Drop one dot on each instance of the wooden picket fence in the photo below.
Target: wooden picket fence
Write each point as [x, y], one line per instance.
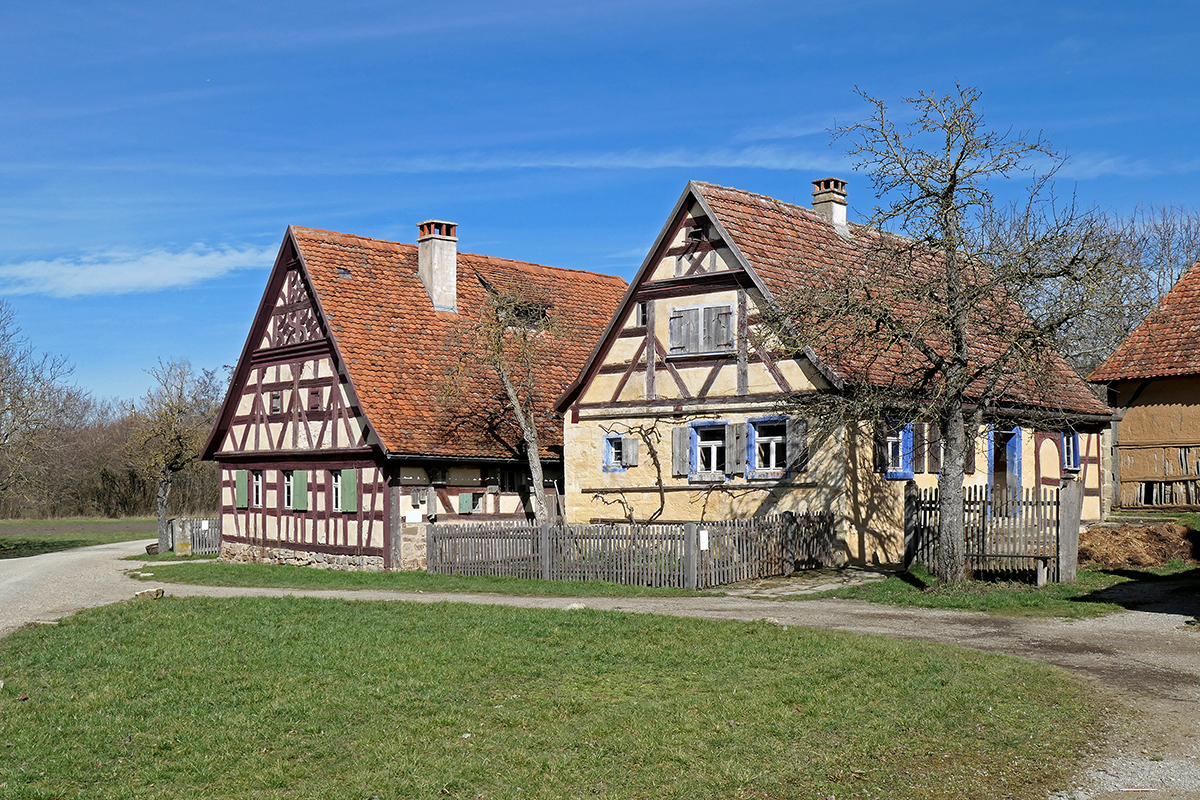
[197, 535]
[1017, 531]
[691, 555]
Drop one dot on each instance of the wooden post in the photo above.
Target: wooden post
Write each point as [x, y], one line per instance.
[689, 555]
[544, 544]
[429, 548]
[912, 532]
[790, 535]
[1070, 501]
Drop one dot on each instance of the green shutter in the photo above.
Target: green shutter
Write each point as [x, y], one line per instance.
[349, 490]
[300, 490]
[466, 502]
[240, 493]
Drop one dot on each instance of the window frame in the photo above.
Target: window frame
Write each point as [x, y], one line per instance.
[1069, 448]
[754, 470]
[289, 489]
[275, 401]
[613, 455]
[256, 488]
[710, 476]
[903, 435]
[335, 485]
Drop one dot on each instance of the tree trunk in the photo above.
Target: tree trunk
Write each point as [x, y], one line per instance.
[164, 491]
[951, 559]
[528, 425]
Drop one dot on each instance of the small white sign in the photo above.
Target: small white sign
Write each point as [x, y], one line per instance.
[203, 524]
[703, 540]
[412, 515]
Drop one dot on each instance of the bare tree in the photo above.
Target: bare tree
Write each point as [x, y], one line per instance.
[510, 340]
[954, 301]
[37, 405]
[171, 422]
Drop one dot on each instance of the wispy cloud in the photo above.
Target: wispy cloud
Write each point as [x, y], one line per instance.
[1086, 166]
[793, 128]
[773, 157]
[123, 272]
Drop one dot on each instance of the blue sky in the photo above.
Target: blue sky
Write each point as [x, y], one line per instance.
[152, 154]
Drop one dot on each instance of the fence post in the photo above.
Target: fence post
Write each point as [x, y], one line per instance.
[429, 548]
[689, 556]
[544, 544]
[912, 514]
[1070, 501]
[790, 535]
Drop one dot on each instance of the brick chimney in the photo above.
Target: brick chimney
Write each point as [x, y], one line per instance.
[437, 262]
[829, 200]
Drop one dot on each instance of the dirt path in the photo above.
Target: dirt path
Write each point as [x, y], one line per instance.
[1150, 657]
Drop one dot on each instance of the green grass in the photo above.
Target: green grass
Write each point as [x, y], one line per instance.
[170, 557]
[284, 576]
[50, 521]
[298, 697]
[1084, 598]
[22, 545]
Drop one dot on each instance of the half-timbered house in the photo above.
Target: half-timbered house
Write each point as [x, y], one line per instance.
[345, 425]
[680, 412]
[1154, 382]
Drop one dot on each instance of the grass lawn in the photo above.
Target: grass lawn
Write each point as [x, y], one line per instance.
[1085, 598]
[281, 575]
[298, 697]
[20, 538]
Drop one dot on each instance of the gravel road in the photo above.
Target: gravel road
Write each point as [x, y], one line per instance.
[1151, 658]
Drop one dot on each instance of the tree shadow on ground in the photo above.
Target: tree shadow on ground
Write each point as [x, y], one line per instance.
[1147, 591]
[14, 547]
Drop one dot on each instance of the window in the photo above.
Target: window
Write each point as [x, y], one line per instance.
[256, 488]
[613, 460]
[641, 315]
[336, 477]
[1070, 450]
[770, 445]
[894, 450]
[314, 399]
[276, 402]
[711, 448]
[511, 480]
[288, 490]
[700, 330]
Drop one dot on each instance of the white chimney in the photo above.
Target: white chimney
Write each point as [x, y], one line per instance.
[437, 262]
[829, 200]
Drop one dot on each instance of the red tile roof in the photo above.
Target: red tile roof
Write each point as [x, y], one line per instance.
[790, 246]
[400, 353]
[1166, 343]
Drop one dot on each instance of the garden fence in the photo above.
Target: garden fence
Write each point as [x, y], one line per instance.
[194, 535]
[689, 555]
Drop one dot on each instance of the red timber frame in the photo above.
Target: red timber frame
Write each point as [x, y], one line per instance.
[290, 334]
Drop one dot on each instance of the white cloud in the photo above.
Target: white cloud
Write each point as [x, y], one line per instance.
[123, 272]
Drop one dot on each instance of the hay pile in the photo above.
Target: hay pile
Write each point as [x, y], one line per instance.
[1138, 545]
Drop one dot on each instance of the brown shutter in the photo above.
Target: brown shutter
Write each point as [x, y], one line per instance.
[681, 450]
[629, 451]
[735, 448]
[797, 445]
[881, 454]
[675, 332]
[716, 328]
[691, 330]
[934, 446]
[918, 445]
[972, 442]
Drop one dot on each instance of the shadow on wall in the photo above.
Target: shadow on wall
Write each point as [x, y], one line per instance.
[874, 507]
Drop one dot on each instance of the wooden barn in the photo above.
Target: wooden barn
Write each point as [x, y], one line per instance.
[1154, 384]
[679, 414]
[347, 422]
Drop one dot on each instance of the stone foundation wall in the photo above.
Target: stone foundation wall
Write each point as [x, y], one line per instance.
[238, 553]
[412, 548]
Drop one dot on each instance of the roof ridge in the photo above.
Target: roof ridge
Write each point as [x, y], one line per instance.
[463, 253]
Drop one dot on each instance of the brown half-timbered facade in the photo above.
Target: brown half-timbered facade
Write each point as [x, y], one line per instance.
[344, 428]
[1154, 384]
[680, 413]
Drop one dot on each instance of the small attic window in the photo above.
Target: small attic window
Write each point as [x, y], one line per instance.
[343, 272]
[695, 233]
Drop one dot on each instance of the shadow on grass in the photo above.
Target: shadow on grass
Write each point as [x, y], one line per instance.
[12, 547]
[1144, 590]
